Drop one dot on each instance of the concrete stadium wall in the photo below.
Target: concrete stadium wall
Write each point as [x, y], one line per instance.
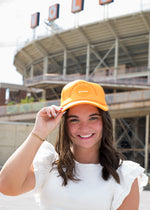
[13, 134]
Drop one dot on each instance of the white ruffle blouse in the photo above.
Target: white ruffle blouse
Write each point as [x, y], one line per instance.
[91, 192]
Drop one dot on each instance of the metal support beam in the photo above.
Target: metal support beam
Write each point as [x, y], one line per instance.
[26, 55]
[45, 65]
[44, 95]
[102, 60]
[146, 142]
[61, 42]
[112, 29]
[145, 21]
[65, 64]
[19, 63]
[99, 57]
[31, 71]
[116, 60]
[147, 26]
[125, 132]
[40, 48]
[88, 42]
[88, 61]
[134, 134]
[24, 76]
[57, 96]
[148, 79]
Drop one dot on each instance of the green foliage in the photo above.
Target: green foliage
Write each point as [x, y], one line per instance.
[27, 100]
[11, 103]
[41, 100]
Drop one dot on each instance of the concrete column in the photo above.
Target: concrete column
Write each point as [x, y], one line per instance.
[88, 61]
[44, 95]
[116, 60]
[45, 65]
[24, 76]
[32, 71]
[2, 96]
[148, 79]
[146, 142]
[65, 64]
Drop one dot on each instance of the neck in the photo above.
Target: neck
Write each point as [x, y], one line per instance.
[85, 156]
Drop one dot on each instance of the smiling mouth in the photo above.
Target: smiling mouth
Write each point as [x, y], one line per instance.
[86, 136]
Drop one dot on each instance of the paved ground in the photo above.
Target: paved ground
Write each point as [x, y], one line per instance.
[27, 202]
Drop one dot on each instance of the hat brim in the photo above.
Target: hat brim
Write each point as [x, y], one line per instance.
[69, 105]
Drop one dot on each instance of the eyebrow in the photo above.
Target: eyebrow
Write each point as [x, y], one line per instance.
[74, 116]
[95, 114]
[91, 115]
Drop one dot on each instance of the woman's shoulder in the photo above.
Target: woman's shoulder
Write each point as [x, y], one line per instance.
[128, 166]
[42, 164]
[128, 172]
[45, 155]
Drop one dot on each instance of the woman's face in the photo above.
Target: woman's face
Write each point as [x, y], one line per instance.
[85, 126]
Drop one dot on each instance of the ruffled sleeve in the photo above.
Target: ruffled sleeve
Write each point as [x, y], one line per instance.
[128, 172]
[43, 163]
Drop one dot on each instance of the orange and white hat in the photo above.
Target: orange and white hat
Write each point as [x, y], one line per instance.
[83, 92]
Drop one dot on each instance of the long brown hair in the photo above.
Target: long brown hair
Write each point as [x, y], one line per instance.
[109, 157]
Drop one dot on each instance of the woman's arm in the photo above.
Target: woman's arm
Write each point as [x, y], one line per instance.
[132, 200]
[17, 175]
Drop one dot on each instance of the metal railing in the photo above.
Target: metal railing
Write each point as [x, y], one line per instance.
[133, 70]
[114, 98]
[98, 77]
[24, 108]
[127, 97]
[133, 81]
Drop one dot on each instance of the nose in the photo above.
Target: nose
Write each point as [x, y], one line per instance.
[84, 126]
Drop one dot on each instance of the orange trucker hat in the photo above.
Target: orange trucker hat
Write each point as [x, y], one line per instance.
[83, 92]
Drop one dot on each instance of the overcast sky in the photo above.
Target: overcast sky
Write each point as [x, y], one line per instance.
[15, 17]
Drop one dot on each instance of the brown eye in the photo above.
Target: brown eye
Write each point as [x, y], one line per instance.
[94, 118]
[73, 120]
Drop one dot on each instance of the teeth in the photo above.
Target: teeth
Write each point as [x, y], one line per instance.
[86, 136]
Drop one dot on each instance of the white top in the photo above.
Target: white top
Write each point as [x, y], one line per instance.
[91, 192]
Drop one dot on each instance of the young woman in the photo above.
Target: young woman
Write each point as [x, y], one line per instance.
[83, 171]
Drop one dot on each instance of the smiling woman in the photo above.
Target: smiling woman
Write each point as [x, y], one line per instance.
[85, 129]
[82, 164]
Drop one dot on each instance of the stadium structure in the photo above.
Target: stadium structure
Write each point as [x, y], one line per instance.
[114, 53]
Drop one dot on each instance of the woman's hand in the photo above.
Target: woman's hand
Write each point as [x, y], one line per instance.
[47, 120]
